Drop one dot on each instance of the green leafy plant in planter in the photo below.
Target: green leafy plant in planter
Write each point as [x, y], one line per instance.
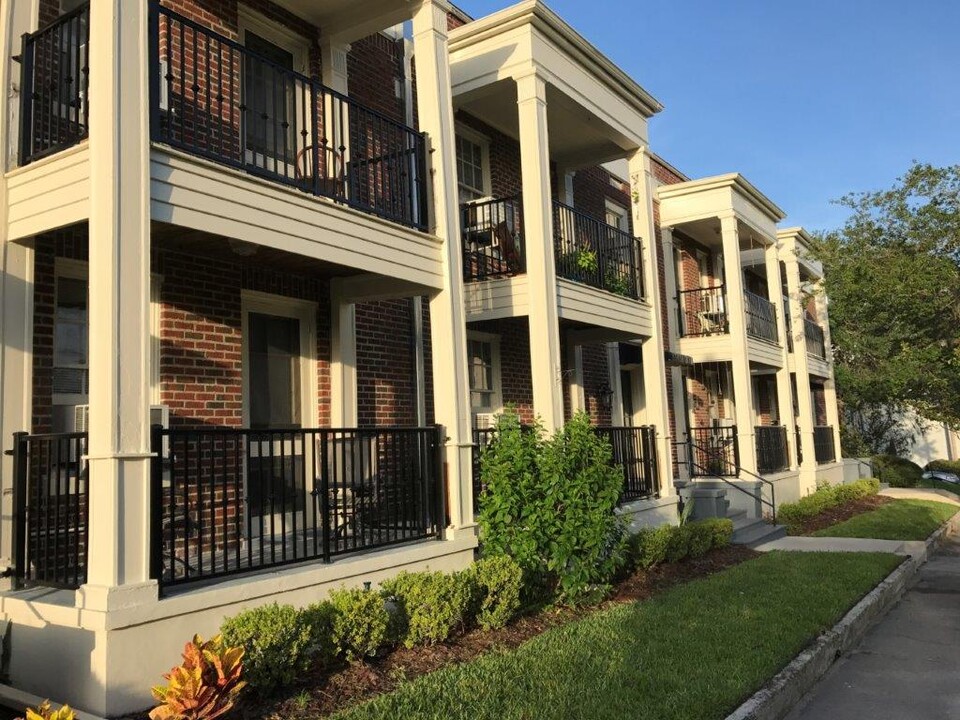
[617, 283]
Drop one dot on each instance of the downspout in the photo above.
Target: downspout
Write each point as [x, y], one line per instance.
[416, 303]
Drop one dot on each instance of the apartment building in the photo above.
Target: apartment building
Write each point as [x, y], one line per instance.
[271, 268]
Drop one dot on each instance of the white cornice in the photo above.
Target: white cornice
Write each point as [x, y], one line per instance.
[735, 181]
[537, 15]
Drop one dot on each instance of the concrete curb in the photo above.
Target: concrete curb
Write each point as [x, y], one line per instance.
[782, 693]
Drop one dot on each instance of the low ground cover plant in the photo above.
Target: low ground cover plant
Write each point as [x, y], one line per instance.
[793, 515]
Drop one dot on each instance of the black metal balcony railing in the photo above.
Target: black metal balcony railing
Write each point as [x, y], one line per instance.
[591, 252]
[703, 311]
[50, 510]
[492, 238]
[228, 501]
[788, 323]
[823, 444]
[214, 98]
[815, 341]
[308, 495]
[54, 86]
[634, 450]
[714, 451]
[761, 317]
[772, 453]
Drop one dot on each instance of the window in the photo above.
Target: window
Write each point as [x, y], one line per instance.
[70, 336]
[473, 165]
[274, 361]
[618, 216]
[483, 358]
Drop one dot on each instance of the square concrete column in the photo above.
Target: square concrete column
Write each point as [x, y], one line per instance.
[771, 259]
[830, 385]
[343, 358]
[540, 261]
[447, 315]
[119, 439]
[740, 358]
[801, 364]
[642, 185]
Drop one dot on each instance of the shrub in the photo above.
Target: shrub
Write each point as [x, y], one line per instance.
[361, 622]
[549, 504]
[897, 471]
[950, 466]
[44, 712]
[795, 514]
[278, 641]
[433, 604]
[204, 687]
[669, 543]
[497, 585]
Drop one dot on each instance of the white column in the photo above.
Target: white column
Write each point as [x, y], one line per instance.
[119, 442]
[540, 261]
[784, 401]
[801, 364]
[830, 385]
[654, 365]
[343, 358]
[740, 359]
[575, 363]
[447, 316]
[333, 61]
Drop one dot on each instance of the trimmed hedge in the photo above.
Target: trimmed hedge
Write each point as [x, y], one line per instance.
[432, 605]
[950, 466]
[897, 471]
[793, 515]
[673, 543]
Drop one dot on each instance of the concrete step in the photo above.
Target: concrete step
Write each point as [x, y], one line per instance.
[756, 531]
[738, 516]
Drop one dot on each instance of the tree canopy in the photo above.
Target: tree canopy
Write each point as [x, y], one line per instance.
[892, 274]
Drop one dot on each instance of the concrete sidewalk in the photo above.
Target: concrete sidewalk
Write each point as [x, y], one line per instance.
[908, 665]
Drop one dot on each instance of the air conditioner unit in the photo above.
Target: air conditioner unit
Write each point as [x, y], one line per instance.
[724, 422]
[159, 415]
[484, 421]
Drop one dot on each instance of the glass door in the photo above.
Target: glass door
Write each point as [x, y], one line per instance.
[276, 474]
[270, 120]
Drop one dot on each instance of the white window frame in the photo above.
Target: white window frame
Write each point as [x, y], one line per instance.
[496, 395]
[622, 213]
[306, 312]
[483, 142]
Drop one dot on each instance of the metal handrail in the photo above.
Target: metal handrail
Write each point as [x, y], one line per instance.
[772, 503]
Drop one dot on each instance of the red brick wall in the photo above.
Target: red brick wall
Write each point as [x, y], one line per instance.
[592, 187]
[819, 403]
[596, 376]
[373, 65]
[385, 364]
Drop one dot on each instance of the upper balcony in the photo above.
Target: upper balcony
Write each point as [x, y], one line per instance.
[549, 105]
[245, 136]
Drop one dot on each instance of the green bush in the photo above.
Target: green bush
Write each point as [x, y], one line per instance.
[549, 504]
[950, 466]
[670, 543]
[795, 514]
[278, 643]
[497, 585]
[361, 622]
[433, 605]
[897, 471]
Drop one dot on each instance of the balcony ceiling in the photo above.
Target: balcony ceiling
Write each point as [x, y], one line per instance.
[349, 20]
[577, 137]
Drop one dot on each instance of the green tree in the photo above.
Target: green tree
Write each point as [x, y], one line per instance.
[892, 274]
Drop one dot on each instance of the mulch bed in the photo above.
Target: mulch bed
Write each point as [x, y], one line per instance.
[841, 513]
[326, 691]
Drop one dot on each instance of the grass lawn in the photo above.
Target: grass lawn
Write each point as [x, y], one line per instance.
[900, 520]
[694, 652]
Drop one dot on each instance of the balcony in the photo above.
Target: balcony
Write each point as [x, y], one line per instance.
[703, 312]
[586, 250]
[824, 447]
[761, 317]
[773, 455]
[230, 501]
[214, 99]
[634, 451]
[815, 342]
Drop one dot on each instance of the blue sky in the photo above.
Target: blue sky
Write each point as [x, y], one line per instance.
[809, 99]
